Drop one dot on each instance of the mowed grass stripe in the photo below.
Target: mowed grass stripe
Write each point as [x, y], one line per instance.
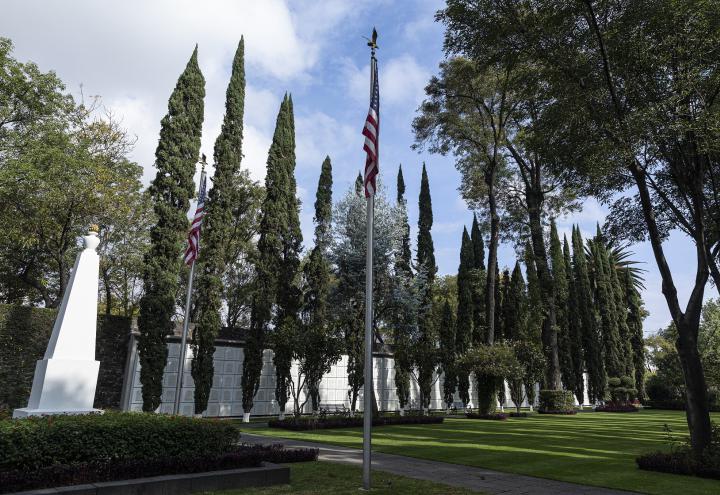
[590, 448]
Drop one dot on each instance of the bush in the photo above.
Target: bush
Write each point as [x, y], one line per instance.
[495, 416]
[301, 423]
[619, 408]
[556, 402]
[683, 460]
[34, 443]
[56, 475]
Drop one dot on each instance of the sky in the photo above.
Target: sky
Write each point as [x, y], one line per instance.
[131, 53]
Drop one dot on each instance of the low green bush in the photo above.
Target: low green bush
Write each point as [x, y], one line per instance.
[683, 460]
[304, 423]
[34, 443]
[556, 402]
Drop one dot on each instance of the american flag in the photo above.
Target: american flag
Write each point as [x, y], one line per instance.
[371, 132]
[191, 253]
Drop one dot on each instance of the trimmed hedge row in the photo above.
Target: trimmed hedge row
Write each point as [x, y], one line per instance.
[34, 443]
[495, 416]
[24, 335]
[245, 456]
[681, 462]
[309, 423]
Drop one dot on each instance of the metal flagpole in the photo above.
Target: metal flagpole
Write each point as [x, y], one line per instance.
[367, 391]
[186, 323]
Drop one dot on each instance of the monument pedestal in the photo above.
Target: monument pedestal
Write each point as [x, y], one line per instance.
[66, 377]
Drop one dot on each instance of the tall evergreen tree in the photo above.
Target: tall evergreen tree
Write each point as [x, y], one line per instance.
[319, 348]
[425, 359]
[621, 312]
[404, 275]
[562, 315]
[574, 329]
[359, 185]
[592, 347]
[479, 283]
[273, 225]
[534, 298]
[515, 306]
[175, 157]
[447, 354]
[227, 199]
[289, 295]
[500, 288]
[635, 321]
[605, 300]
[464, 320]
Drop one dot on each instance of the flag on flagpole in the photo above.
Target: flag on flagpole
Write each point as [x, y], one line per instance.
[371, 131]
[191, 253]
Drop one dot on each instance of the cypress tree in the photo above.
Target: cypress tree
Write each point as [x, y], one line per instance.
[635, 321]
[478, 285]
[605, 300]
[319, 351]
[175, 157]
[500, 288]
[621, 312]
[535, 311]
[217, 231]
[560, 283]
[403, 267]
[448, 354]
[574, 327]
[464, 320]
[273, 224]
[425, 259]
[359, 185]
[514, 306]
[592, 348]
[289, 295]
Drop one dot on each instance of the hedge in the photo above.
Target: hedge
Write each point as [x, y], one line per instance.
[57, 475]
[34, 443]
[24, 335]
[556, 402]
[310, 423]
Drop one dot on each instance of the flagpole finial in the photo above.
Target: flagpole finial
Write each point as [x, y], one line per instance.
[372, 42]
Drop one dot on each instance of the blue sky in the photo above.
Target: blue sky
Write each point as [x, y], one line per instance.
[132, 52]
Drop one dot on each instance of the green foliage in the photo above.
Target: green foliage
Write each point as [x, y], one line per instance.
[37, 442]
[592, 348]
[556, 401]
[425, 356]
[621, 389]
[318, 346]
[448, 353]
[64, 166]
[491, 364]
[464, 320]
[177, 152]
[573, 339]
[635, 326]
[534, 303]
[478, 283]
[228, 198]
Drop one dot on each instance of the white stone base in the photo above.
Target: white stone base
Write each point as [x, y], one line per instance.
[26, 412]
[246, 417]
[62, 386]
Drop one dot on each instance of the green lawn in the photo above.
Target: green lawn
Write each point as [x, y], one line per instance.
[316, 478]
[590, 448]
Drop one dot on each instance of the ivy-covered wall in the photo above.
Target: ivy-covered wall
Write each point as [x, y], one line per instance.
[24, 335]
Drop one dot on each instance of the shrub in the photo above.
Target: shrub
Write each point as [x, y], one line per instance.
[300, 423]
[683, 460]
[34, 443]
[244, 456]
[620, 408]
[495, 416]
[556, 402]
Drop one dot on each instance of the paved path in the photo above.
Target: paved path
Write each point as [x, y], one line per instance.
[473, 478]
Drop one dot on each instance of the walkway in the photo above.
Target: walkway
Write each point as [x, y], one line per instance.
[473, 478]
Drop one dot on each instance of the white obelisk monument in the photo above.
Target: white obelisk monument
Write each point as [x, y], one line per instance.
[65, 379]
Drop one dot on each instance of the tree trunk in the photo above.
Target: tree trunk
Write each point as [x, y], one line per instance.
[492, 260]
[549, 327]
[688, 323]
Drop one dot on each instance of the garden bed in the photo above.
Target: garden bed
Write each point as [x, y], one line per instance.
[681, 462]
[617, 408]
[494, 416]
[83, 473]
[310, 423]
